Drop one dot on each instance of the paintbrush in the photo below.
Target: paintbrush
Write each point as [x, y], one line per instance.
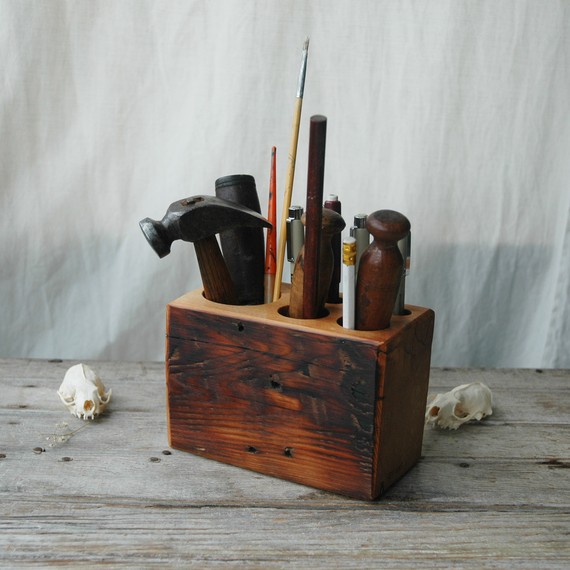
[290, 172]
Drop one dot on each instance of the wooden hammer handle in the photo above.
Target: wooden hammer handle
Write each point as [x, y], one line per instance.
[216, 279]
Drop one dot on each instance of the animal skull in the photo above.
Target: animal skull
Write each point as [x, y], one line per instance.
[83, 392]
[463, 403]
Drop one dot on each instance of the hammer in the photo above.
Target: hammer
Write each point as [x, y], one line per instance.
[198, 219]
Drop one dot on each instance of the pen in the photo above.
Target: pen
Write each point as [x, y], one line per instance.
[295, 235]
[360, 233]
[348, 278]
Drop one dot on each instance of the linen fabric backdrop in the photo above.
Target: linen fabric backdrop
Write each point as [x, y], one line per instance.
[455, 113]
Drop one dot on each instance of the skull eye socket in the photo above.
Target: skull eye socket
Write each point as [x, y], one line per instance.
[88, 405]
[460, 411]
[434, 411]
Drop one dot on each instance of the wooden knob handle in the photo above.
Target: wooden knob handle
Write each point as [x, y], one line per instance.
[380, 270]
[387, 227]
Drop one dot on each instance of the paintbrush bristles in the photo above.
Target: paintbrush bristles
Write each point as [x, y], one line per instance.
[303, 71]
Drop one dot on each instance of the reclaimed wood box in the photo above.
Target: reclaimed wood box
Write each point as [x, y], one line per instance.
[303, 400]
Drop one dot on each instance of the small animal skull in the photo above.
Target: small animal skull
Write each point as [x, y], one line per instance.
[83, 392]
[463, 403]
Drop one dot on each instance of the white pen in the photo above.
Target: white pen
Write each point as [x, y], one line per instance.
[348, 282]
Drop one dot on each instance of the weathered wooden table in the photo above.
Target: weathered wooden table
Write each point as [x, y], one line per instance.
[494, 494]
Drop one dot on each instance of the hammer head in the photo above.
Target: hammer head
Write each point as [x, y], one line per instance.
[197, 218]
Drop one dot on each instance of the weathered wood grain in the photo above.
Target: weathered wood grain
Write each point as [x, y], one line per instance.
[208, 537]
[494, 494]
[340, 413]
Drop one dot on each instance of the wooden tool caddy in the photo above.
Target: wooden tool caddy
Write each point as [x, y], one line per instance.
[303, 400]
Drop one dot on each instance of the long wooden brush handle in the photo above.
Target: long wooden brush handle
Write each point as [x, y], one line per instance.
[290, 173]
[287, 198]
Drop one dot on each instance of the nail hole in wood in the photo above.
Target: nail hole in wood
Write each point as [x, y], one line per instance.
[240, 327]
[251, 449]
[288, 452]
[276, 385]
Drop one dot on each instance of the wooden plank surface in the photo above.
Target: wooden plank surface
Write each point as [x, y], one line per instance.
[491, 495]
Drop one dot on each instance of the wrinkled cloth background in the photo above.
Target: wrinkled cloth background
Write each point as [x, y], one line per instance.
[455, 113]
